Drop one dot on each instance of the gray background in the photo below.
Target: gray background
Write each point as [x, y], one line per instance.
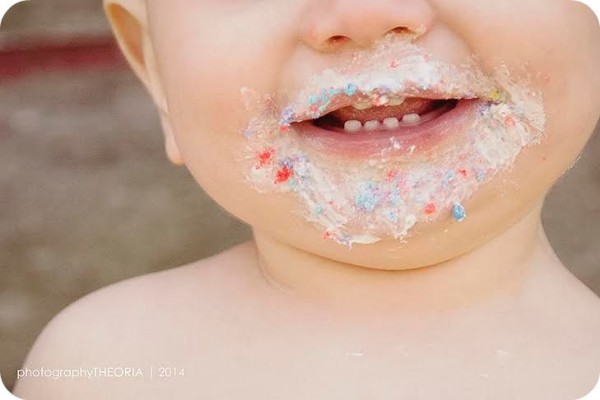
[88, 198]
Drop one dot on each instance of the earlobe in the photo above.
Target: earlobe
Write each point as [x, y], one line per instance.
[171, 147]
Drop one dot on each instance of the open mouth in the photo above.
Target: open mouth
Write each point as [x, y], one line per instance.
[396, 115]
[363, 125]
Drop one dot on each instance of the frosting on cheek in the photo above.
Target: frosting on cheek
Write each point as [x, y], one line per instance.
[385, 194]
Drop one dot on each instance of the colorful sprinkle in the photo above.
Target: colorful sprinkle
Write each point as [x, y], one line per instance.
[351, 89]
[368, 199]
[392, 216]
[286, 118]
[497, 97]
[510, 121]
[459, 213]
[480, 175]
[265, 157]
[430, 209]
[463, 172]
[283, 174]
[390, 175]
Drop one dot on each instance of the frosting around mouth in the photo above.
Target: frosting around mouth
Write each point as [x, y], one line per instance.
[389, 192]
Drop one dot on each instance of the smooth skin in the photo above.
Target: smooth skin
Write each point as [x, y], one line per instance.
[478, 310]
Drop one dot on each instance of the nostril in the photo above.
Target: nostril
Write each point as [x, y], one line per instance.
[400, 30]
[337, 40]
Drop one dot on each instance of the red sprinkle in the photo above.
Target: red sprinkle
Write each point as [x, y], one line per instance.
[283, 174]
[265, 157]
[463, 172]
[284, 128]
[430, 209]
[327, 235]
[509, 121]
[393, 64]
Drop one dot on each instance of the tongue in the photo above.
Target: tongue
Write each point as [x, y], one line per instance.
[410, 106]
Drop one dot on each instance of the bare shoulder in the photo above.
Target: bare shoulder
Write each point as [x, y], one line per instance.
[138, 323]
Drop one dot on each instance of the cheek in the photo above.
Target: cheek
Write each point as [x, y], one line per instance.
[205, 72]
[570, 85]
[560, 57]
[203, 80]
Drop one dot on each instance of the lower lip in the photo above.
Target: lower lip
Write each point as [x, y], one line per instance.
[416, 138]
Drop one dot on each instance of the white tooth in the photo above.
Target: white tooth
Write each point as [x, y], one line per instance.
[372, 125]
[397, 101]
[352, 126]
[391, 123]
[411, 119]
[361, 105]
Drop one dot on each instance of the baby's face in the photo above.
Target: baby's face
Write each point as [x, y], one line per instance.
[385, 133]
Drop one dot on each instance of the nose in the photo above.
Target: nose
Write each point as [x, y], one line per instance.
[330, 24]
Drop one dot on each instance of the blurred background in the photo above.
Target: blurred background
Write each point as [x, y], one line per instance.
[88, 198]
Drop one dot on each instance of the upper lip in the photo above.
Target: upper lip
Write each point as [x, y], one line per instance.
[446, 84]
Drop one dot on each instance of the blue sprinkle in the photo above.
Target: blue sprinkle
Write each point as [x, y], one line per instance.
[287, 113]
[458, 212]
[368, 198]
[287, 162]
[324, 96]
[292, 183]
[483, 108]
[350, 90]
[344, 240]
[480, 176]
[318, 209]
[286, 117]
[365, 202]
[312, 100]
[449, 175]
[392, 216]
[395, 199]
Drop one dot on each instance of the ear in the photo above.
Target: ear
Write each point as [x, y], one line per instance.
[129, 22]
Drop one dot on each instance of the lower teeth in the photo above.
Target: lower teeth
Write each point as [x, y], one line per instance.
[411, 119]
[391, 123]
[354, 126]
[372, 125]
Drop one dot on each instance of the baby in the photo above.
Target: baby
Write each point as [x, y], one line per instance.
[392, 158]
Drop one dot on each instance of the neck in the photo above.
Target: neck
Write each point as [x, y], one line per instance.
[495, 269]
